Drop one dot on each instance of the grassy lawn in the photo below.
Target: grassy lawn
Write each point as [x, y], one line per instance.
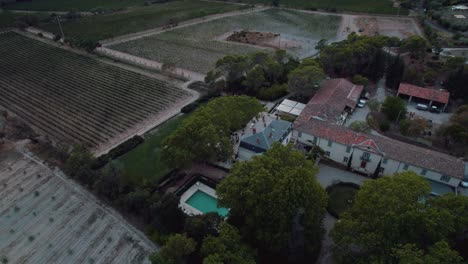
[67, 5]
[341, 198]
[143, 165]
[137, 19]
[198, 47]
[360, 6]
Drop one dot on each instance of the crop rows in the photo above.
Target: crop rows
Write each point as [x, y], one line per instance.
[47, 219]
[74, 98]
[199, 46]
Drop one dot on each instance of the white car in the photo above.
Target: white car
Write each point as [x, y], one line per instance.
[464, 183]
[362, 103]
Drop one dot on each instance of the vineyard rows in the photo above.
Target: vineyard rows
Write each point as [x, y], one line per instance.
[73, 98]
[45, 218]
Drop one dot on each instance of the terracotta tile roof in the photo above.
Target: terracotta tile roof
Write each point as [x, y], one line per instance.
[331, 99]
[392, 149]
[425, 93]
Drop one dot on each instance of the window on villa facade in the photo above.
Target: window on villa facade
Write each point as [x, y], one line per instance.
[348, 149]
[406, 167]
[381, 170]
[330, 143]
[299, 134]
[345, 159]
[423, 172]
[384, 161]
[445, 178]
[315, 140]
[327, 153]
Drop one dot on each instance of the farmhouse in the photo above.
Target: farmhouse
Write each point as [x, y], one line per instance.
[333, 102]
[377, 155]
[262, 137]
[425, 95]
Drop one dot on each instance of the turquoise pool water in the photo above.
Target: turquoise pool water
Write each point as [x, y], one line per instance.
[206, 203]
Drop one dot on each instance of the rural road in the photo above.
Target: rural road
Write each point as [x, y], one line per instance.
[158, 30]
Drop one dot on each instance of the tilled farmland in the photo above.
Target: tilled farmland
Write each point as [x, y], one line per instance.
[46, 218]
[76, 99]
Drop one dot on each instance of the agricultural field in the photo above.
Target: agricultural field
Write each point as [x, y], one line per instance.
[198, 47]
[359, 6]
[47, 218]
[143, 165]
[138, 19]
[75, 99]
[387, 26]
[78, 5]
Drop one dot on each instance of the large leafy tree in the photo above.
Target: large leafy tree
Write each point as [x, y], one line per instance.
[306, 78]
[394, 107]
[357, 55]
[204, 136]
[269, 192]
[416, 45]
[226, 248]
[395, 217]
[175, 251]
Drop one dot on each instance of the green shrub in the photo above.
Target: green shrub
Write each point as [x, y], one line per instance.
[361, 80]
[384, 126]
[274, 92]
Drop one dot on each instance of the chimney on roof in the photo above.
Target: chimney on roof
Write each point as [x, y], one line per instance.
[254, 130]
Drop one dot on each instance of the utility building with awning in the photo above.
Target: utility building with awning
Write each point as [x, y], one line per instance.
[430, 97]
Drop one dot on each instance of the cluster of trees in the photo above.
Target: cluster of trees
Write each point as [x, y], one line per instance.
[159, 212]
[361, 55]
[396, 220]
[455, 133]
[277, 204]
[205, 135]
[258, 74]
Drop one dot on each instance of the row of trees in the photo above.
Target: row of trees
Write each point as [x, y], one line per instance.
[205, 135]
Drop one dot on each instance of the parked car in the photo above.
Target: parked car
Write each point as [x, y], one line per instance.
[464, 183]
[362, 103]
[422, 107]
[434, 109]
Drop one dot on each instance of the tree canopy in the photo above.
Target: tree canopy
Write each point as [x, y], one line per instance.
[416, 45]
[394, 107]
[306, 78]
[175, 251]
[204, 136]
[357, 55]
[226, 248]
[267, 193]
[395, 220]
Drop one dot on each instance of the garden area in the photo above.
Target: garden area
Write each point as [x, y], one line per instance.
[341, 197]
[143, 165]
[198, 47]
[137, 19]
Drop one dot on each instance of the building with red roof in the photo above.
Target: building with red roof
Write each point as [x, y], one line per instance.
[430, 95]
[335, 99]
[378, 155]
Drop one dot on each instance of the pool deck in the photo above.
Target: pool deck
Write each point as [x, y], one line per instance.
[198, 186]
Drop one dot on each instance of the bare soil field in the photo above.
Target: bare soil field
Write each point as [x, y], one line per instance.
[75, 99]
[394, 27]
[47, 218]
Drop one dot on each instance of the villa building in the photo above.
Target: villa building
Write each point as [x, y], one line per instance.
[262, 136]
[377, 155]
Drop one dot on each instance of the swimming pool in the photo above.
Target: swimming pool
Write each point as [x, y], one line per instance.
[206, 203]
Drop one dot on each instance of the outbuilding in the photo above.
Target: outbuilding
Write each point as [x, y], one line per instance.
[428, 96]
